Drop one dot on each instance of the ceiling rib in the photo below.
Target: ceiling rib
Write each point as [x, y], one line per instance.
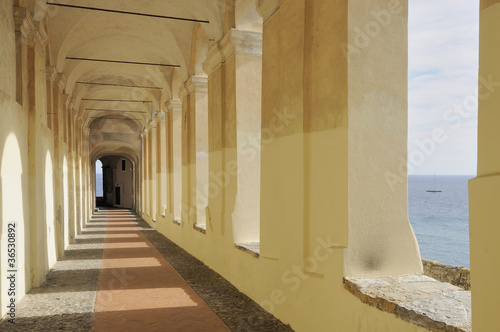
[123, 119]
[121, 85]
[128, 13]
[123, 62]
[107, 110]
[119, 100]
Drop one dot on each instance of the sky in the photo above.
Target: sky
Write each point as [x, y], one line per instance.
[442, 86]
[98, 167]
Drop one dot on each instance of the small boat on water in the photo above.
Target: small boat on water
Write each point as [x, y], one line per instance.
[434, 186]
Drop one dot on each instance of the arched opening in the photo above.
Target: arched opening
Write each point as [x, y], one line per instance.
[118, 182]
[99, 184]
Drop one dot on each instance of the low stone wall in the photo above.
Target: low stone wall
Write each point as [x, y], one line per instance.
[458, 276]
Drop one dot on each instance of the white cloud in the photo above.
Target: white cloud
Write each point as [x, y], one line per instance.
[443, 64]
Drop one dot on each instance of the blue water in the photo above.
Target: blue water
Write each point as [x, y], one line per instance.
[440, 220]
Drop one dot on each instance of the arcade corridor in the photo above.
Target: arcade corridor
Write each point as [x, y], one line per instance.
[118, 276]
[259, 136]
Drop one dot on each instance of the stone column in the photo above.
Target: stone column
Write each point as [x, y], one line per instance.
[153, 192]
[57, 88]
[187, 144]
[143, 172]
[71, 172]
[161, 165]
[215, 68]
[246, 49]
[176, 116]
[78, 170]
[198, 86]
[64, 160]
[146, 184]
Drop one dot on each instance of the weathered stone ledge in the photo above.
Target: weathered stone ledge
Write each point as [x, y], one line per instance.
[252, 248]
[417, 299]
[200, 228]
[458, 276]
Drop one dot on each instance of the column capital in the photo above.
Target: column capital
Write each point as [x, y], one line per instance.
[266, 8]
[174, 105]
[160, 117]
[197, 84]
[241, 42]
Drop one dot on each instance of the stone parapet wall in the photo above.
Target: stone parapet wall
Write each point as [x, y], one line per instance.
[458, 276]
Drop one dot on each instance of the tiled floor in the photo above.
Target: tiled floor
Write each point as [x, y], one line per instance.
[122, 275]
[138, 288]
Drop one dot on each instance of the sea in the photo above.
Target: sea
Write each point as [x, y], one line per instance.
[440, 220]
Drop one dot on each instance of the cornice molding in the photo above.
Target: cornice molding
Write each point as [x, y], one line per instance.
[198, 84]
[160, 117]
[174, 105]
